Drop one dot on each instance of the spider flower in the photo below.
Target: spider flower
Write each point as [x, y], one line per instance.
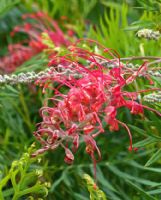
[92, 93]
[19, 53]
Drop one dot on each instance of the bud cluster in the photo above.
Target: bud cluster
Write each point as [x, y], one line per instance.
[154, 97]
[148, 34]
[27, 77]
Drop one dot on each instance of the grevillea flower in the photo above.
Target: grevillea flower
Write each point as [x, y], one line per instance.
[17, 55]
[92, 94]
[23, 51]
[41, 22]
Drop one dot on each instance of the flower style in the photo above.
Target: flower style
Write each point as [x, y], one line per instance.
[92, 94]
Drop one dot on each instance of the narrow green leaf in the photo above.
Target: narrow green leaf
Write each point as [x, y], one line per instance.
[104, 181]
[137, 165]
[142, 132]
[141, 191]
[157, 191]
[154, 158]
[126, 176]
[145, 142]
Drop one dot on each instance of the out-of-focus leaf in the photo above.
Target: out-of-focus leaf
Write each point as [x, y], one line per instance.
[137, 165]
[104, 181]
[154, 158]
[157, 191]
[127, 176]
[142, 132]
[6, 5]
[145, 142]
[141, 191]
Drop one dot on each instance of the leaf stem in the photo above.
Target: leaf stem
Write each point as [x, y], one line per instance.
[154, 62]
[141, 58]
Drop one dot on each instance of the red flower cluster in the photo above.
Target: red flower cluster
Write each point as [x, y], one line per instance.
[92, 94]
[17, 55]
[21, 52]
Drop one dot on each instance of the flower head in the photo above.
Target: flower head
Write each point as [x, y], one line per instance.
[92, 93]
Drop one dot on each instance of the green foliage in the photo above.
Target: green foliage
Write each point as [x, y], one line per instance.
[150, 5]
[80, 9]
[111, 30]
[115, 31]
[151, 17]
[156, 156]
[21, 181]
[6, 5]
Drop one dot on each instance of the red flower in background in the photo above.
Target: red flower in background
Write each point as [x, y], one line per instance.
[23, 51]
[94, 94]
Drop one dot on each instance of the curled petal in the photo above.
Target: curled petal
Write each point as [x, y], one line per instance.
[69, 158]
[40, 151]
[91, 146]
[135, 107]
[75, 142]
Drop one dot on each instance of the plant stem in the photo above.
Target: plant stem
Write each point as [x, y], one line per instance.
[154, 62]
[141, 58]
[25, 108]
[32, 189]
